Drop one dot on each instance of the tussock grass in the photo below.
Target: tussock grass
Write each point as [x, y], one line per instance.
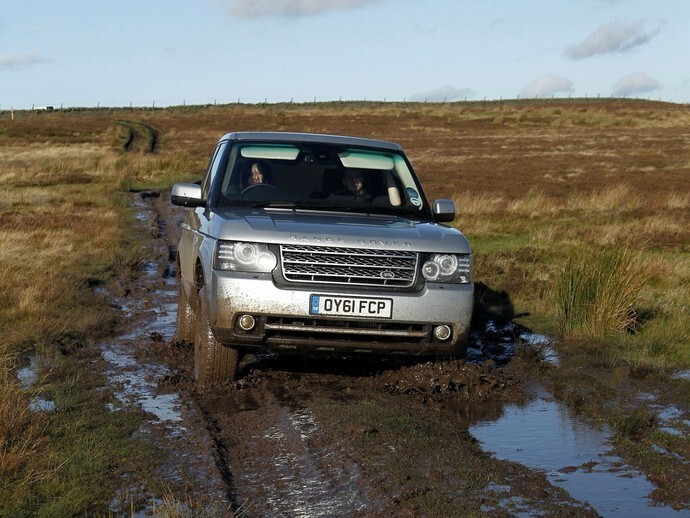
[127, 259]
[481, 204]
[616, 197]
[22, 432]
[678, 201]
[597, 291]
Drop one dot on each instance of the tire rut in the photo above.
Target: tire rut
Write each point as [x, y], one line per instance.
[139, 136]
[279, 462]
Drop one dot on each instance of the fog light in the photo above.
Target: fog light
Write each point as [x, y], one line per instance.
[246, 322]
[442, 333]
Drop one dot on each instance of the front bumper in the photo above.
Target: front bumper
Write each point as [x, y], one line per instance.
[283, 320]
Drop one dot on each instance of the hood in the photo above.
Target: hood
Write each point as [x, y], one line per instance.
[336, 229]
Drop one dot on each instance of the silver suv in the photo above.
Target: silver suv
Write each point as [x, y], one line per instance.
[317, 244]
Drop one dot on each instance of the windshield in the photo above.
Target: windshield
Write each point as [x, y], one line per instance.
[320, 177]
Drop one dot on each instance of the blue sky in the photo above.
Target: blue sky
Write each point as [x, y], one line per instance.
[156, 52]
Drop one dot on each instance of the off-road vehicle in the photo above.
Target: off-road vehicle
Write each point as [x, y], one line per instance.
[313, 244]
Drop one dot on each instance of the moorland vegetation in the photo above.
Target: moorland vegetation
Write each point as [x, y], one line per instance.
[577, 210]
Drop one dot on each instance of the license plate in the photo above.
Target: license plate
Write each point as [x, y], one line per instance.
[360, 307]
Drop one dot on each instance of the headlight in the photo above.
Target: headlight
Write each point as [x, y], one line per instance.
[244, 257]
[448, 268]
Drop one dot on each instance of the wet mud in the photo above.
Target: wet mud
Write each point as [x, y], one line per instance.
[298, 436]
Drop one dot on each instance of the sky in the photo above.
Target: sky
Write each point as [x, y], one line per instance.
[171, 52]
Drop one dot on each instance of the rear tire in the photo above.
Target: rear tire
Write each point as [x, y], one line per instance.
[213, 361]
[186, 319]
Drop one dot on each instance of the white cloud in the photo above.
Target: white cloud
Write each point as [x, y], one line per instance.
[445, 93]
[259, 8]
[613, 37]
[23, 61]
[546, 86]
[634, 84]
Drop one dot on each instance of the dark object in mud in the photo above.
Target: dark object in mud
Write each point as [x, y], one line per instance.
[491, 305]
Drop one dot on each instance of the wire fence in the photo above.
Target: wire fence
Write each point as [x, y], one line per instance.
[155, 104]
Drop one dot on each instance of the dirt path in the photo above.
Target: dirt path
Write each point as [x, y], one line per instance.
[139, 136]
[298, 437]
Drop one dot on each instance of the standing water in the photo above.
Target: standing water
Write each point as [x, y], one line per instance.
[575, 456]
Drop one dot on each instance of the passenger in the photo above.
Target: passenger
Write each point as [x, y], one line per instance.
[354, 187]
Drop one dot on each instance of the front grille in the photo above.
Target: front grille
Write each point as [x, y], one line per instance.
[351, 331]
[345, 332]
[348, 266]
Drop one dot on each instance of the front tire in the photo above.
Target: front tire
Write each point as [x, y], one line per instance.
[213, 361]
[185, 317]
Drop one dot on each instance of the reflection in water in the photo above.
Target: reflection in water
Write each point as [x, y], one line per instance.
[28, 376]
[139, 381]
[682, 375]
[307, 483]
[497, 342]
[575, 456]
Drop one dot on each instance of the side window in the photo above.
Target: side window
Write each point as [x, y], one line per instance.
[213, 167]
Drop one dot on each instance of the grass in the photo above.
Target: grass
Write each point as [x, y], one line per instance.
[63, 230]
[598, 290]
[22, 437]
[546, 192]
[606, 265]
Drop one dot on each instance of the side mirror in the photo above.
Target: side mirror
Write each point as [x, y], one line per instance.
[443, 210]
[187, 195]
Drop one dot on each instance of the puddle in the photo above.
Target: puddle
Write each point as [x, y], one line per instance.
[135, 373]
[682, 375]
[493, 342]
[138, 385]
[671, 419]
[544, 435]
[543, 344]
[138, 381]
[28, 376]
[39, 404]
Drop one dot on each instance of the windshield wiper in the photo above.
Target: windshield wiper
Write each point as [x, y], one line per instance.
[373, 209]
[284, 205]
[360, 209]
[301, 205]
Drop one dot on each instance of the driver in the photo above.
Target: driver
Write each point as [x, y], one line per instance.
[257, 174]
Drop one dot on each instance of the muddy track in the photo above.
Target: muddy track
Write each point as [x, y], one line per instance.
[325, 437]
[309, 436]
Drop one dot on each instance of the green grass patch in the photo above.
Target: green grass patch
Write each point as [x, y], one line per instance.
[83, 448]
